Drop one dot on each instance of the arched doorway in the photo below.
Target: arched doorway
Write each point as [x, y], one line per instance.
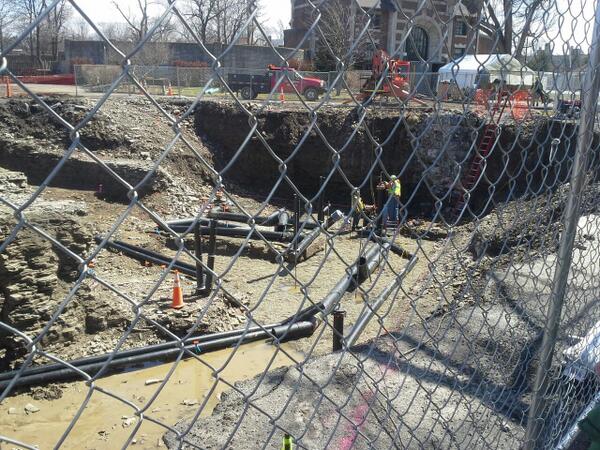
[417, 45]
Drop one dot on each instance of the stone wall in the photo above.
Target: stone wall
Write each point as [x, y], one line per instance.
[158, 53]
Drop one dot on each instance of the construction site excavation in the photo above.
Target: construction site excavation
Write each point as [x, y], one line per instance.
[377, 229]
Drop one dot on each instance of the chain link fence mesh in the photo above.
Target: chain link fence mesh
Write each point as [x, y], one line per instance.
[463, 310]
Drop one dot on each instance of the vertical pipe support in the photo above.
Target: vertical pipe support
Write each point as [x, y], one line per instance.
[212, 248]
[338, 329]
[534, 438]
[320, 212]
[296, 221]
[200, 286]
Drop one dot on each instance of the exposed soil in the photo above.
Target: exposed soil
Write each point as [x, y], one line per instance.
[426, 148]
[38, 277]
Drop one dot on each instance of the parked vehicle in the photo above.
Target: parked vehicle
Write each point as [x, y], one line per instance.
[249, 86]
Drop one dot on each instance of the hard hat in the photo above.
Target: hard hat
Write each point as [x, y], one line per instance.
[393, 177]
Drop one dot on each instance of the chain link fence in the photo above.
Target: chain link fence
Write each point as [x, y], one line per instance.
[423, 264]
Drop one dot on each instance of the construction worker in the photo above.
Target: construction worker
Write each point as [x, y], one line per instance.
[537, 92]
[394, 191]
[359, 209]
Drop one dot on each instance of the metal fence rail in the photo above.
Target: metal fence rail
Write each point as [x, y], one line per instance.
[462, 306]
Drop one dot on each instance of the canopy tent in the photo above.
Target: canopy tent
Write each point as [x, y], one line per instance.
[471, 70]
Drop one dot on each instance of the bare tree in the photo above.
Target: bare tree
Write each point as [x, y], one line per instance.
[339, 21]
[140, 20]
[26, 13]
[220, 21]
[5, 16]
[55, 26]
[201, 15]
[115, 31]
[511, 23]
[79, 29]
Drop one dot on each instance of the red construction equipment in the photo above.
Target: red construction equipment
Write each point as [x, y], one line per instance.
[521, 104]
[396, 83]
[490, 133]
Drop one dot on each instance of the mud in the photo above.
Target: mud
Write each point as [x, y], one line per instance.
[107, 423]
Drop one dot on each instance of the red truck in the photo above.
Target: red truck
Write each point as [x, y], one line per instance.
[249, 86]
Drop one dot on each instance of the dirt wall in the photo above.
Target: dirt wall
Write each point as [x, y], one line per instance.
[431, 151]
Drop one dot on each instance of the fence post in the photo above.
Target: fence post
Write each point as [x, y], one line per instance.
[75, 76]
[591, 87]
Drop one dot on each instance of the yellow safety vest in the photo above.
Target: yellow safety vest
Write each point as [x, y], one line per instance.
[360, 205]
[395, 189]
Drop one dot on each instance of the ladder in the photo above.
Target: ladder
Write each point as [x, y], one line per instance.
[487, 142]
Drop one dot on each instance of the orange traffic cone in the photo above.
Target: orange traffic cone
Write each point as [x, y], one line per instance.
[8, 87]
[177, 293]
[281, 96]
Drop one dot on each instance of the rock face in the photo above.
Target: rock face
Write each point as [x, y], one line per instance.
[35, 276]
[440, 147]
[431, 151]
[32, 143]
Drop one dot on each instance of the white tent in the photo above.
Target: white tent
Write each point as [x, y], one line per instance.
[470, 69]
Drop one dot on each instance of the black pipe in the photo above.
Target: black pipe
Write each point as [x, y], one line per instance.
[144, 255]
[212, 249]
[380, 211]
[271, 220]
[184, 224]
[328, 304]
[362, 272]
[200, 287]
[282, 332]
[313, 235]
[370, 309]
[333, 218]
[282, 221]
[320, 212]
[395, 248]
[242, 233]
[132, 352]
[296, 223]
[338, 329]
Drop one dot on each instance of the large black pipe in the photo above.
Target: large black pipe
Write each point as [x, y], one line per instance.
[373, 258]
[370, 309]
[241, 233]
[183, 224]
[132, 352]
[144, 255]
[285, 332]
[313, 235]
[395, 248]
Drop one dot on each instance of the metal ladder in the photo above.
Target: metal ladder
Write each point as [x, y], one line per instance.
[487, 142]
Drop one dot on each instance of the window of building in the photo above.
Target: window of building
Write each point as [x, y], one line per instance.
[417, 45]
[462, 28]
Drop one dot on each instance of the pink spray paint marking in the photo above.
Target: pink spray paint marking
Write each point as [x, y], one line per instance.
[358, 417]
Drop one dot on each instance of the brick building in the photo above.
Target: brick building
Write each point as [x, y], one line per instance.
[442, 30]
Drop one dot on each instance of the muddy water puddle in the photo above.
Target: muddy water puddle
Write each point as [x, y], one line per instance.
[107, 422]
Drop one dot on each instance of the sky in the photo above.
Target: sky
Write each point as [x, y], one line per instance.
[567, 32]
[104, 11]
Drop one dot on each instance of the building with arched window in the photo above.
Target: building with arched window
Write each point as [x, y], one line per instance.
[435, 33]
